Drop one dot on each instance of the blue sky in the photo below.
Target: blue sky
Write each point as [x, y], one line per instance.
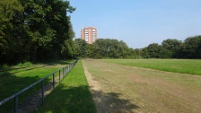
[138, 22]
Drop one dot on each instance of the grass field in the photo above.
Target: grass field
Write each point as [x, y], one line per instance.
[127, 89]
[20, 76]
[124, 86]
[71, 96]
[187, 66]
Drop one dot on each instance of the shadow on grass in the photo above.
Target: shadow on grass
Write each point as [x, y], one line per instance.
[69, 100]
[10, 85]
[9, 72]
[80, 100]
[112, 103]
[54, 62]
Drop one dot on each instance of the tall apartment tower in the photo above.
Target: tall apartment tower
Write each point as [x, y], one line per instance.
[89, 34]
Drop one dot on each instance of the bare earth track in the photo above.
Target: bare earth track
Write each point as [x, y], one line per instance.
[125, 89]
[95, 87]
[106, 102]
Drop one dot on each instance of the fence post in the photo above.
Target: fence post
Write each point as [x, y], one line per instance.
[59, 77]
[16, 104]
[53, 82]
[63, 72]
[67, 69]
[42, 92]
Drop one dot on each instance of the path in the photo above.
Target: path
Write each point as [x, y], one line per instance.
[95, 87]
[32, 102]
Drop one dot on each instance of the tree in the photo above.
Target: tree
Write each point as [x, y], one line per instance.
[153, 50]
[82, 47]
[35, 30]
[60, 23]
[138, 53]
[164, 53]
[109, 48]
[145, 53]
[158, 51]
[192, 47]
[11, 13]
[39, 35]
[173, 45]
[199, 51]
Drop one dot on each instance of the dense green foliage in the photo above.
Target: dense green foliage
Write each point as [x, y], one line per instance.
[109, 48]
[103, 48]
[173, 48]
[71, 96]
[112, 48]
[188, 66]
[81, 48]
[33, 30]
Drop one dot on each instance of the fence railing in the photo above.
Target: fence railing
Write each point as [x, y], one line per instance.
[62, 71]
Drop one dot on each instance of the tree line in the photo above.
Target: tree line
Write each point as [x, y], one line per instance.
[190, 48]
[35, 30]
[103, 48]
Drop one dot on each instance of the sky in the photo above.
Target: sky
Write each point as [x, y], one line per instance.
[138, 22]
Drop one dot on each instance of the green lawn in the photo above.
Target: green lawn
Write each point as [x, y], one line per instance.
[14, 80]
[127, 89]
[71, 96]
[187, 66]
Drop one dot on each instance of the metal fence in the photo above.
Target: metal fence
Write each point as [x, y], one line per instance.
[62, 71]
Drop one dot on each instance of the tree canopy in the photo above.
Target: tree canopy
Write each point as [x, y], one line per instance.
[104, 48]
[173, 48]
[34, 30]
[112, 48]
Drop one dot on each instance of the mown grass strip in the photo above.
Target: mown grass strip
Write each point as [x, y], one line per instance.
[71, 96]
[187, 66]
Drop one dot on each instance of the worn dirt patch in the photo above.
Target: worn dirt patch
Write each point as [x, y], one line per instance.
[95, 88]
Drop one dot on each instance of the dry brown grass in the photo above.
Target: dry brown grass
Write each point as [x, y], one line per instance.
[131, 89]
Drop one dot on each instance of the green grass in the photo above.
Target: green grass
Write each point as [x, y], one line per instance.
[25, 64]
[14, 80]
[71, 96]
[6, 66]
[144, 90]
[187, 66]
